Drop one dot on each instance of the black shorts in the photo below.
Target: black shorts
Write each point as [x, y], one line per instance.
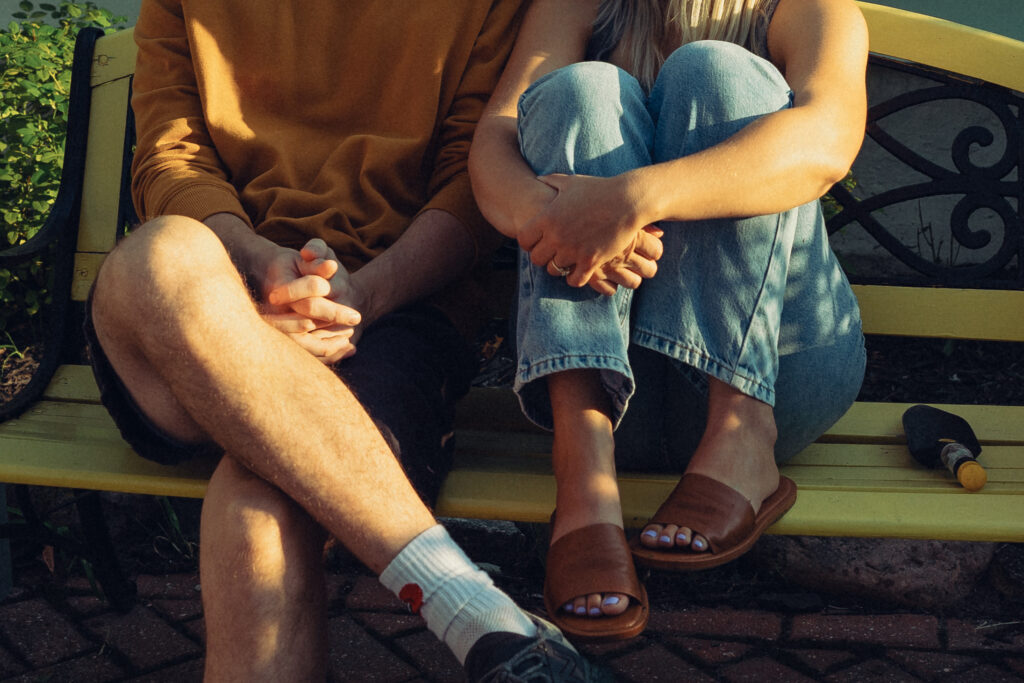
[411, 368]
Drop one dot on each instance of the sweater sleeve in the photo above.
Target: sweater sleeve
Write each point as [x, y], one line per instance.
[176, 169]
[449, 186]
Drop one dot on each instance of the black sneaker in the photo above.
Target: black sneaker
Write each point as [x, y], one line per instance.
[544, 658]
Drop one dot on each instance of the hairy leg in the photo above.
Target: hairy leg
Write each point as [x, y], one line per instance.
[737, 449]
[261, 567]
[583, 457]
[203, 363]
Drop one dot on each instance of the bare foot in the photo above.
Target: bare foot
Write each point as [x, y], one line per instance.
[592, 499]
[737, 449]
[583, 457]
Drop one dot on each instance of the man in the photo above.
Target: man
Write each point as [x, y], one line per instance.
[301, 174]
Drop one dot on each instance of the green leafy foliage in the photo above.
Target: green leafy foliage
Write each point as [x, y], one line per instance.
[36, 51]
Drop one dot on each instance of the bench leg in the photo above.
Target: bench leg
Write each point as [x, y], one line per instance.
[118, 589]
[94, 547]
[5, 549]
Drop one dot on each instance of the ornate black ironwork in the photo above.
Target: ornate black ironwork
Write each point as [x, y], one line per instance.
[996, 186]
[56, 239]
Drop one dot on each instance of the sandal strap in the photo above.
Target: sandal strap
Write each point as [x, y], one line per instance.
[706, 506]
[591, 559]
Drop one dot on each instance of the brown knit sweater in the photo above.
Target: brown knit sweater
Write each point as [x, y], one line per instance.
[339, 119]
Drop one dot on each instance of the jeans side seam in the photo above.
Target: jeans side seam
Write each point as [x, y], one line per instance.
[757, 308]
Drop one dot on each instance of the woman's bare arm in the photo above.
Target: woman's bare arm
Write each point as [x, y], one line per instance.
[790, 157]
[554, 34]
[783, 160]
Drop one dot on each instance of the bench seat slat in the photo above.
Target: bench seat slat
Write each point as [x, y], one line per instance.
[940, 514]
[848, 465]
[73, 383]
[101, 465]
[873, 422]
[945, 313]
[937, 515]
[868, 422]
[507, 475]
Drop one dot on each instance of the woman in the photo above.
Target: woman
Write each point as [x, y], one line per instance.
[675, 260]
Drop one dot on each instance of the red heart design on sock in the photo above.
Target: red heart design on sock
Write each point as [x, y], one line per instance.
[412, 595]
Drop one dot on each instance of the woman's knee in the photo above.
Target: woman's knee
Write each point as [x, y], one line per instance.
[583, 112]
[583, 86]
[718, 70]
[716, 62]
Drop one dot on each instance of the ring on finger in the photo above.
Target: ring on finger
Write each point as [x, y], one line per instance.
[562, 272]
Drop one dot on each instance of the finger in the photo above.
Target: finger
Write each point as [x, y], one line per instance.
[334, 332]
[654, 230]
[341, 355]
[325, 268]
[289, 323]
[643, 267]
[648, 245]
[542, 254]
[326, 311]
[314, 249]
[602, 286]
[581, 273]
[339, 347]
[553, 269]
[299, 288]
[316, 347]
[529, 236]
[623, 277]
[325, 349]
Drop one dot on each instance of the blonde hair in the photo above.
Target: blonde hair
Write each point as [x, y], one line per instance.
[647, 25]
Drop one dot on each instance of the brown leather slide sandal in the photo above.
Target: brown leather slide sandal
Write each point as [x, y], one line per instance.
[594, 559]
[719, 513]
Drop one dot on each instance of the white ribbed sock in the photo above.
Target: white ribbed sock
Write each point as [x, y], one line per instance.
[459, 601]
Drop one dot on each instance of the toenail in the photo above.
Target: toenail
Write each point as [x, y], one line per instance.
[651, 534]
[681, 538]
[665, 539]
[581, 610]
[613, 600]
[595, 611]
[698, 544]
[568, 607]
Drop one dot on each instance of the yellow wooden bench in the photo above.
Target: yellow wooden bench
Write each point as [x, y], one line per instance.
[858, 480]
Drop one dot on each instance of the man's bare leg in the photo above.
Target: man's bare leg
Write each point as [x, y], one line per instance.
[208, 366]
[264, 598]
[205, 364]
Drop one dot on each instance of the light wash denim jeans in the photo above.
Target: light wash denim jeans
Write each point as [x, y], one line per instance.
[759, 303]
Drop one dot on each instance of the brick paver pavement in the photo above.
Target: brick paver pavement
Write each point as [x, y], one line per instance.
[74, 636]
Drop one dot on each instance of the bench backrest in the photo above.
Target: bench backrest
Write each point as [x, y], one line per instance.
[926, 312]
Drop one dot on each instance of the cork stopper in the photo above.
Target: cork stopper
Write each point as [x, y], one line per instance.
[971, 475]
